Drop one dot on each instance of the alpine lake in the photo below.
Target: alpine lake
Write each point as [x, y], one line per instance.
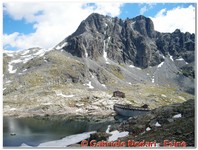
[35, 130]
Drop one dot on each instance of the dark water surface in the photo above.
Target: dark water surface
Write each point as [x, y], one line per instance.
[33, 131]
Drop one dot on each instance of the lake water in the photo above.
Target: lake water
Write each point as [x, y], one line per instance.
[33, 131]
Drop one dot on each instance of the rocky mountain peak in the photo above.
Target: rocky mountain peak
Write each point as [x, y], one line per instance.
[94, 23]
[144, 25]
[131, 41]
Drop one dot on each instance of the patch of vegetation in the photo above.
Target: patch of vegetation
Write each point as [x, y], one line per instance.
[153, 95]
[102, 76]
[106, 77]
[33, 63]
[115, 70]
[71, 103]
[64, 68]
[34, 79]
[122, 65]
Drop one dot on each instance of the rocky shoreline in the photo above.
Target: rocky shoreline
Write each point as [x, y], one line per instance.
[168, 126]
[97, 106]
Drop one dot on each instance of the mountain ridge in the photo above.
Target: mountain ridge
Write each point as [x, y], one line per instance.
[131, 41]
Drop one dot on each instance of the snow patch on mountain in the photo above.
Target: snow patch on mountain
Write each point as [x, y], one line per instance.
[89, 85]
[40, 53]
[177, 116]
[104, 52]
[63, 95]
[23, 57]
[86, 53]
[13, 109]
[48, 103]
[10, 68]
[25, 52]
[103, 85]
[92, 76]
[132, 66]
[153, 80]
[171, 58]
[160, 65]
[157, 124]
[9, 53]
[9, 81]
[180, 59]
[116, 134]
[148, 129]
[58, 47]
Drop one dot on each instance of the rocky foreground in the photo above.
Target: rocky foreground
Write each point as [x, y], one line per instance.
[168, 126]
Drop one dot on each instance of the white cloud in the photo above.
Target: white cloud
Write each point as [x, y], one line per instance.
[16, 40]
[146, 7]
[177, 18]
[52, 21]
[112, 9]
[161, 13]
[143, 10]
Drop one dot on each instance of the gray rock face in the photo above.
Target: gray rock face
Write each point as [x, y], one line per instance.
[177, 44]
[131, 41]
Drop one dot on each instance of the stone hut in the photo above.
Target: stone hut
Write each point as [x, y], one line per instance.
[145, 106]
[118, 94]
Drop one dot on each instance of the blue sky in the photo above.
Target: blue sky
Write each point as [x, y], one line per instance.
[10, 25]
[46, 24]
[132, 10]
